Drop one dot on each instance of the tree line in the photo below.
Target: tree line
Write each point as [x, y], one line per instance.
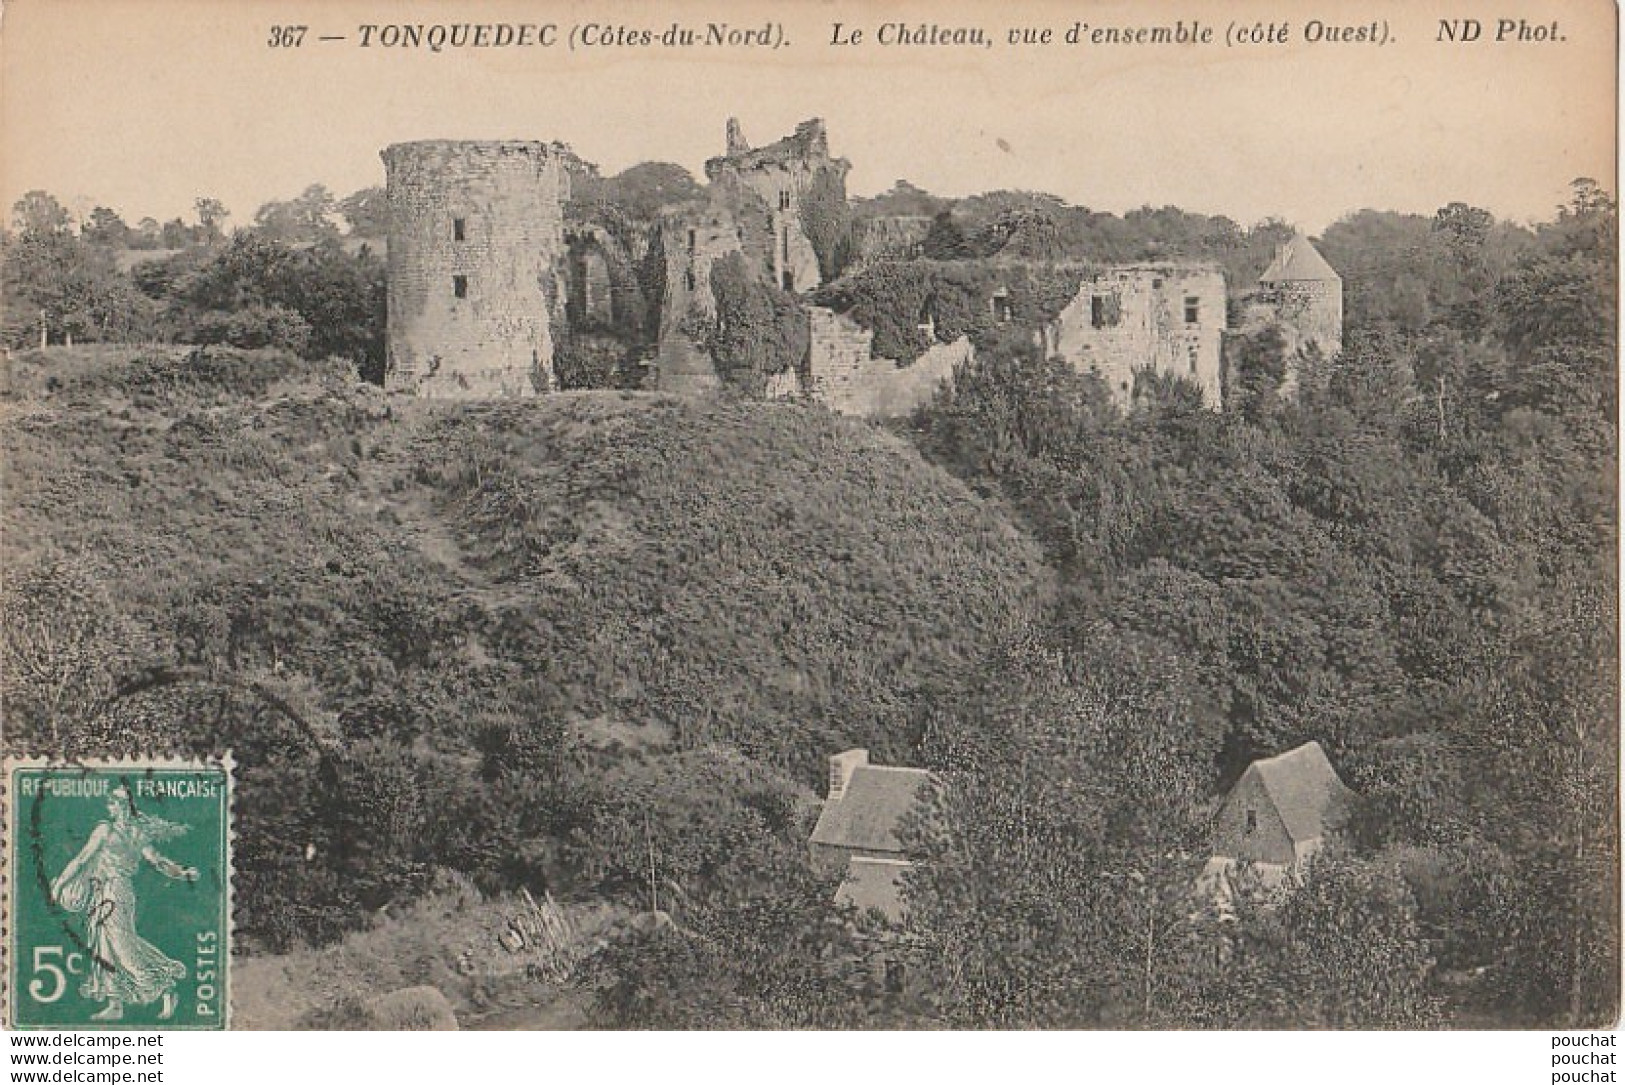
[291, 280]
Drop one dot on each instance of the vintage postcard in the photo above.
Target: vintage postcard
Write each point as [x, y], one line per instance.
[857, 514]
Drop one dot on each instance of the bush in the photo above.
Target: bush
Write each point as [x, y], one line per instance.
[252, 328]
[895, 298]
[582, 360]
[317, 301]
[72, 288]
[758, 331]
[827, 219]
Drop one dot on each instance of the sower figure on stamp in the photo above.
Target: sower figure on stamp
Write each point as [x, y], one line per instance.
[99, 884]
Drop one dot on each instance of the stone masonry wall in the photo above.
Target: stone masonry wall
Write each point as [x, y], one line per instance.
[692, 243]
[775, 178]
[1312, 308]
[778, 186]
[841, 374]
[471, 316]
[1166, 317]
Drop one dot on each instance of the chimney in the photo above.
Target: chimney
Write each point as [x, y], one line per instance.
[840, 771]
[736, 138]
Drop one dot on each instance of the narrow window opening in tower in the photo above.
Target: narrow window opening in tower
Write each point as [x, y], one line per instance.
[688, 279]
[784, 200]
[1105, 310]
[459, 286]
[789, 280]
[692, 237]
[459, 229]
[1193, 310]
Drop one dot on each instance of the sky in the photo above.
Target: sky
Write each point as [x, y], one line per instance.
[143, 105]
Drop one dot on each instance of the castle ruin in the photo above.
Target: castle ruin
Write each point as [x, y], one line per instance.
[754, 206]
[493, 294]
[1306, 297]
[843, 374]
[780, 179]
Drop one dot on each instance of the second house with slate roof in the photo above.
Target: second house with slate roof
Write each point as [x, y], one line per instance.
[1279, 814]
[864, 831]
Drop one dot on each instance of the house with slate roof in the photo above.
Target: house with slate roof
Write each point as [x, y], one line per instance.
[1277, 816]
[863, 827]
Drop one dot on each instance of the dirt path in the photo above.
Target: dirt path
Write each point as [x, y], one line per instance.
[562, 1014]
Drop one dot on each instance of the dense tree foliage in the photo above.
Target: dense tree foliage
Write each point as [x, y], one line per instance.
[639, 193]
[911, 305]
[1410, 561]
[307, 217]
[59, 287]
[366, 211]
[581, 632]
[318, 301]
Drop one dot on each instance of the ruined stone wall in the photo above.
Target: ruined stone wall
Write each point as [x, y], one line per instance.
[1166, 317]
[900, 390]
[685, 369]
[774, 179]
[841, 374]
[476, 259]
[837, 355]
[790, 262]
[592, 295]
[692, 243]
[604, 288]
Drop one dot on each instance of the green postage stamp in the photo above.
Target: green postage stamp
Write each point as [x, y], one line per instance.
[118, 894]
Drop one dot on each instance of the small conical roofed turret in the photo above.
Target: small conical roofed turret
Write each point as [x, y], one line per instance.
[1298, 262]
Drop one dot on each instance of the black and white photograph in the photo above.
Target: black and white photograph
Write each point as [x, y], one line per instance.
[813, 516]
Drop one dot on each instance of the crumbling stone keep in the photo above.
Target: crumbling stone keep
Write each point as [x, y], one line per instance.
[476, 258]
[776, 179]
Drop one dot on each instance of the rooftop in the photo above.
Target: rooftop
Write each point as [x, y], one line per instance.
[874, 807]
[1307, 792]
[1298, 261]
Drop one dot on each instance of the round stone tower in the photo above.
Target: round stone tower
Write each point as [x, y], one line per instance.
[476, 250]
